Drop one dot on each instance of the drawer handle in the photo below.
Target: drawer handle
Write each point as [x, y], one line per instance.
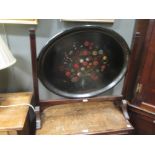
[154, 121]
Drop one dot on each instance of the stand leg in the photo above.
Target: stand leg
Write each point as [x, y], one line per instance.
[34, 65]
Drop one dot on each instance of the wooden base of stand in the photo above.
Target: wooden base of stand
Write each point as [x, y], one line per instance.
[94, 117]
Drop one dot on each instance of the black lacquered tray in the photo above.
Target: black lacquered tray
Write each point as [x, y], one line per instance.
[83, 61]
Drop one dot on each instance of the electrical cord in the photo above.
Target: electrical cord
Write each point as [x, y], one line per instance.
[16, 105]
[32, 116]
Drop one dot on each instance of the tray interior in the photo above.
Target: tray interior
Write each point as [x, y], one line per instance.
[83, 118]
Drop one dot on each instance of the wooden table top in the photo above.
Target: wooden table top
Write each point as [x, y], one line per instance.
[13, 118]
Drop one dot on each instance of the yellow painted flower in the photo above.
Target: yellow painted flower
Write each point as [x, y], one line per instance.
[104, 58]
[94, 53]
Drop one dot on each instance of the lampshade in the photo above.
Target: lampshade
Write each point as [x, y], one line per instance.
[6, 57]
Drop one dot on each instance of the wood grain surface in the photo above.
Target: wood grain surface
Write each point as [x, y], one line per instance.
[13, 118]
[83, 118]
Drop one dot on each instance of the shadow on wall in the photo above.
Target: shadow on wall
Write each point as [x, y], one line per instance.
[47, 29]
[18, 29]
[4, 80]
[16, 77]
[21, 79]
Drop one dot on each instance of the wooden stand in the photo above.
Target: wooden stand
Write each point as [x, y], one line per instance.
[100, 115]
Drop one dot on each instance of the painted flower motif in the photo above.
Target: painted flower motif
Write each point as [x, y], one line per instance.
[85, 53]
[95, 63]
[85, 63]
[94, 53]
[81, 60]
[86, 43]
[104, 58]
[76, 66]
[68, 73]
[79, 74]
[87, 59]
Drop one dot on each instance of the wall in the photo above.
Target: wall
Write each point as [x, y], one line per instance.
[19, 76]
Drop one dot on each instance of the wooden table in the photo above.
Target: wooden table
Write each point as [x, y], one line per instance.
[13, 119]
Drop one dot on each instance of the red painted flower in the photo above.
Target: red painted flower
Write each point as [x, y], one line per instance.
[85, 53]
[86, 43]
[76, 66]
[95, 63]
[94, 77]
[85, 63]
[68, 73]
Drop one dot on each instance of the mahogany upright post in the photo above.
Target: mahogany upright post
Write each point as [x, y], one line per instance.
[34, 65]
